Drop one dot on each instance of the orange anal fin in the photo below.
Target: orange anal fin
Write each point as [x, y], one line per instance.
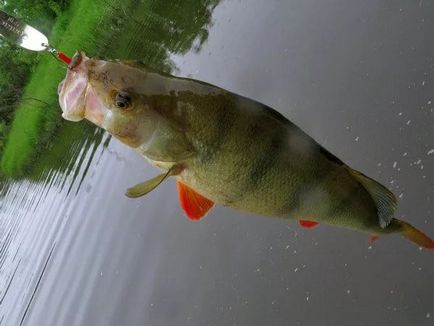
[308, 224]
[373, 237]
[194, 204]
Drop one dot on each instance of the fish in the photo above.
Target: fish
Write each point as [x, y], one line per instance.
[226, 148]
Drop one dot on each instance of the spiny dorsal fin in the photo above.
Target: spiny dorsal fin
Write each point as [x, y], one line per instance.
[384, 199]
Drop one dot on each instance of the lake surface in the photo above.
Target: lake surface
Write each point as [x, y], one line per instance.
[357, 76]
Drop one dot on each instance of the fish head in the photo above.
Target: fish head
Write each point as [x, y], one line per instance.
[106, 93]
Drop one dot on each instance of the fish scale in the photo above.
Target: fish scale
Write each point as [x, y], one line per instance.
[228, 177]
[227, 149]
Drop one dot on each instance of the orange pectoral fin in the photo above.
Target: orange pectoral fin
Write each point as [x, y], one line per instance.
[194, 205]
[308, 224]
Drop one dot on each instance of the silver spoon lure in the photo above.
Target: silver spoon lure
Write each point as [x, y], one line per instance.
[27, 37]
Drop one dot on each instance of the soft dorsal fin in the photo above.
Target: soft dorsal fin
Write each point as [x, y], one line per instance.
[384, 199]
[194, 204]
[308, 224]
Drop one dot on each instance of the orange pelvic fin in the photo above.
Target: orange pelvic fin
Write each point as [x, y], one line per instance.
[416, 236]
[308, 224]
[194, 204]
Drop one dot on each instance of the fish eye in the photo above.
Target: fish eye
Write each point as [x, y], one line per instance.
[122, 100]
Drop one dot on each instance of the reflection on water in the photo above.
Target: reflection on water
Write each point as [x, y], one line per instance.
[75, 251]
[33, 214]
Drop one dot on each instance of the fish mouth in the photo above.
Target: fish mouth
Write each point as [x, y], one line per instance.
[77, 98]
[72, 90]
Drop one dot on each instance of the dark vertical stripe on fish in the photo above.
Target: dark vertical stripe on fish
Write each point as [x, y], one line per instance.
[343, 204]
[225, 121]
[299, 192]
[303, 187]
[265, 162]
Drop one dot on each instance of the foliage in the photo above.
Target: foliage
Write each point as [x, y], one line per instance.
[40, 13]
[147, 30]
[16, 64]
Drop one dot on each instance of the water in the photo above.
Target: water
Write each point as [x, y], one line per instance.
[76, 251]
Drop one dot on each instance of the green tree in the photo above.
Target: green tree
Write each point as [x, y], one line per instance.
[41, 13]
[15, 67]
[16, 64]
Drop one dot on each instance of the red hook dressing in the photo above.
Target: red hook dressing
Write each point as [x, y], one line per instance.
[64, 58]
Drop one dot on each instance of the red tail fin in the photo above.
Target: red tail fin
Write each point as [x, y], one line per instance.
[416, 236]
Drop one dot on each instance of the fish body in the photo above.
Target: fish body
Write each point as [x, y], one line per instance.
[226, 148]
